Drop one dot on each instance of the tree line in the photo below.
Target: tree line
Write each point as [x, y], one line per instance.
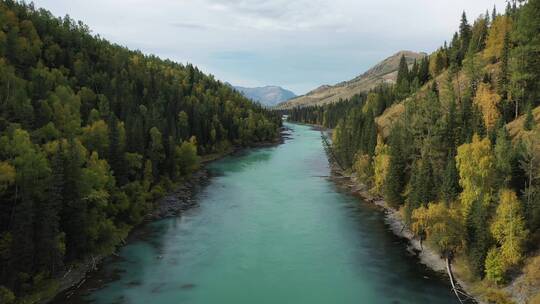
[91, 135]
[448, 163]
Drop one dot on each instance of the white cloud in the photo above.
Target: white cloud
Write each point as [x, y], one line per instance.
[297, 44]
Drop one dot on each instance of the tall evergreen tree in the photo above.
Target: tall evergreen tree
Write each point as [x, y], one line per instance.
[74, 213]
[49, 239]
[423, 70]
[526, 36]
[529, 122]
[464, 36]
[450, 183]
[503, 79]
[422, 188]
[116, 152]
[396, 176]
[403, 79]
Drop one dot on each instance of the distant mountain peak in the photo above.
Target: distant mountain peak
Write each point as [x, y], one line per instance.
[269, 95]
[383, 72]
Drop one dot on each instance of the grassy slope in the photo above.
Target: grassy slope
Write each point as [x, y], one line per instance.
[383, 72]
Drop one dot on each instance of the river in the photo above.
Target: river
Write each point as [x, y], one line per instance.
[271, 228]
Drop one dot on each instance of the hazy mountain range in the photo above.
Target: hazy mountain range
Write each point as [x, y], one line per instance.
[268, 95]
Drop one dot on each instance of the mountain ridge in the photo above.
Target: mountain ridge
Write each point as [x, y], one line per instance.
[269, 95]
[384, 71]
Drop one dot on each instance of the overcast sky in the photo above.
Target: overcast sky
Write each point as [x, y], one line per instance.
[297, 44]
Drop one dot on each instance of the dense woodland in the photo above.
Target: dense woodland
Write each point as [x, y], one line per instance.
[448, 160]
[91, 135]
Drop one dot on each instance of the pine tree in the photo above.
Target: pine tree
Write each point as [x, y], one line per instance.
[478, 238]
[396, 176]
[403, 79]
[23, 249]
[478, 36]
[423, 70]
[49, 239]
[455, 53]
[529, 122]
[414, 70]
[503, 78]
[451, 126]
[464, 36]
[530, 166]
[369, 134]
[504, 156]
[450, 183]
[74, 212]
[116, 153]
[526, 36]
[422, 188]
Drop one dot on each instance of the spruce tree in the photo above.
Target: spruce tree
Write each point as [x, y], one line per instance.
[403, 79]
[414, 70]
[423, 70]
[396, 176]
[422, 188]
[451, 127]
[504, 155]
[503, 79]
[455, 55]
[74, 212]
[49, 241]
[22, 251]
[529, 122]
[464, 36]
[116, 153]
[479, 239]
[450, 182]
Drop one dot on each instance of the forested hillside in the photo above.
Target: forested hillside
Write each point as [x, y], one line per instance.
[437, 146]
[91, 134]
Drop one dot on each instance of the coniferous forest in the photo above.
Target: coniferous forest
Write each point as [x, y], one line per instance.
[455, 146]
[91, 135]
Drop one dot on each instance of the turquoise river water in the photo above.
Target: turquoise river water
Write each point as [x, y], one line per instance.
[271, 228]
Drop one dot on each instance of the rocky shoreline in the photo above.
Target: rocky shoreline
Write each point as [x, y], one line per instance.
[393, 219]
[173, 204]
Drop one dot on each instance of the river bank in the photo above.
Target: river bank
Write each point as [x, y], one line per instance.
[517, 290]
[173, 204]
[394, 220]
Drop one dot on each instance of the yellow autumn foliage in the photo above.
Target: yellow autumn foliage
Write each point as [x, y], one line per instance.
[363, 168]
[487, 100]
[495, 39]
[441, 225]
[508, 228]
[477, 174]
[381, 162]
